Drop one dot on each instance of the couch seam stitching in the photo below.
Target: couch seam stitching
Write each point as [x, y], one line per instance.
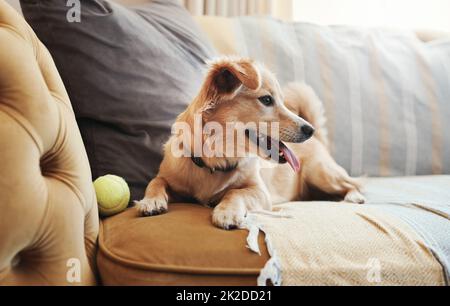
[24, 123]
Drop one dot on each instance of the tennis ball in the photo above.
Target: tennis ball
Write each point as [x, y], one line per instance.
[112, 193]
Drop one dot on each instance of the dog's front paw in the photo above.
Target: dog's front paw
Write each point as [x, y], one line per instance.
[355, 197]
[229, 216]
[151, 206]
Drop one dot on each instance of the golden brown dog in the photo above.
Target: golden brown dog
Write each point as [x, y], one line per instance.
[239, 91]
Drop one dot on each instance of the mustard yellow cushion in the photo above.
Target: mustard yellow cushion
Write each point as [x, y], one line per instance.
[180, 247]
[48, 211]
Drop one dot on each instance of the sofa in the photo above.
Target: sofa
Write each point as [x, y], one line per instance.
[52, 234]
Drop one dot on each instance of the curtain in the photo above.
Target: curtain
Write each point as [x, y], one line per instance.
[276, 8]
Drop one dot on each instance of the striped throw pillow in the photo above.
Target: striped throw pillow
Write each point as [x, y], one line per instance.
[386, 93]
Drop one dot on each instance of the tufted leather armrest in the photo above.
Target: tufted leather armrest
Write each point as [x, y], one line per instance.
[48, 211]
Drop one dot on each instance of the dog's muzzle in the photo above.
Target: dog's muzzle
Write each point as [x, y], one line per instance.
[300, 135]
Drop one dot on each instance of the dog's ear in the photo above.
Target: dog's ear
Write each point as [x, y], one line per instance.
[226, 76]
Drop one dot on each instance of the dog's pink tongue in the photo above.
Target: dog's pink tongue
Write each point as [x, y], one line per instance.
[291, 158]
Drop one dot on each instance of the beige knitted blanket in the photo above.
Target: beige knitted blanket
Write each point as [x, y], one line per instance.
[324, 243]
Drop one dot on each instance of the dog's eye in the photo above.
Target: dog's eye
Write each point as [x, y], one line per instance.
[266, 100]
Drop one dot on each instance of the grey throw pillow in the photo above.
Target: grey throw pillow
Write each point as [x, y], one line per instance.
[129, 72]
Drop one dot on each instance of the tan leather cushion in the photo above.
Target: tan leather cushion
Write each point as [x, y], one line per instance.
[180, 247]
[48, 211]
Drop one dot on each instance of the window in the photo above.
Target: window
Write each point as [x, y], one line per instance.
[410, 14]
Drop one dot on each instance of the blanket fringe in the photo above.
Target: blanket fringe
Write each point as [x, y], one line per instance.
[272, 269]
[270, 272]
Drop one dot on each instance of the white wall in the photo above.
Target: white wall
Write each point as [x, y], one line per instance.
[415, 14]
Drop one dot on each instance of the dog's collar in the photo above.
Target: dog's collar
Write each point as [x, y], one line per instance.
[198, 161]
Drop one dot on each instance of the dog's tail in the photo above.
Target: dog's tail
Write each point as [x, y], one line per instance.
[303, 101]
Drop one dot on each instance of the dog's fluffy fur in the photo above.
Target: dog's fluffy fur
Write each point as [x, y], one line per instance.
[230, 93]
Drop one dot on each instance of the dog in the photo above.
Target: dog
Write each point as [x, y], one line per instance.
[242, 90]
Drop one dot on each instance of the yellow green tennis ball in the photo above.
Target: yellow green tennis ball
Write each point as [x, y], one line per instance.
[112, 193]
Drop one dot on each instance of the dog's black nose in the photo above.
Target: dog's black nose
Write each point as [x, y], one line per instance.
[307, 131]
